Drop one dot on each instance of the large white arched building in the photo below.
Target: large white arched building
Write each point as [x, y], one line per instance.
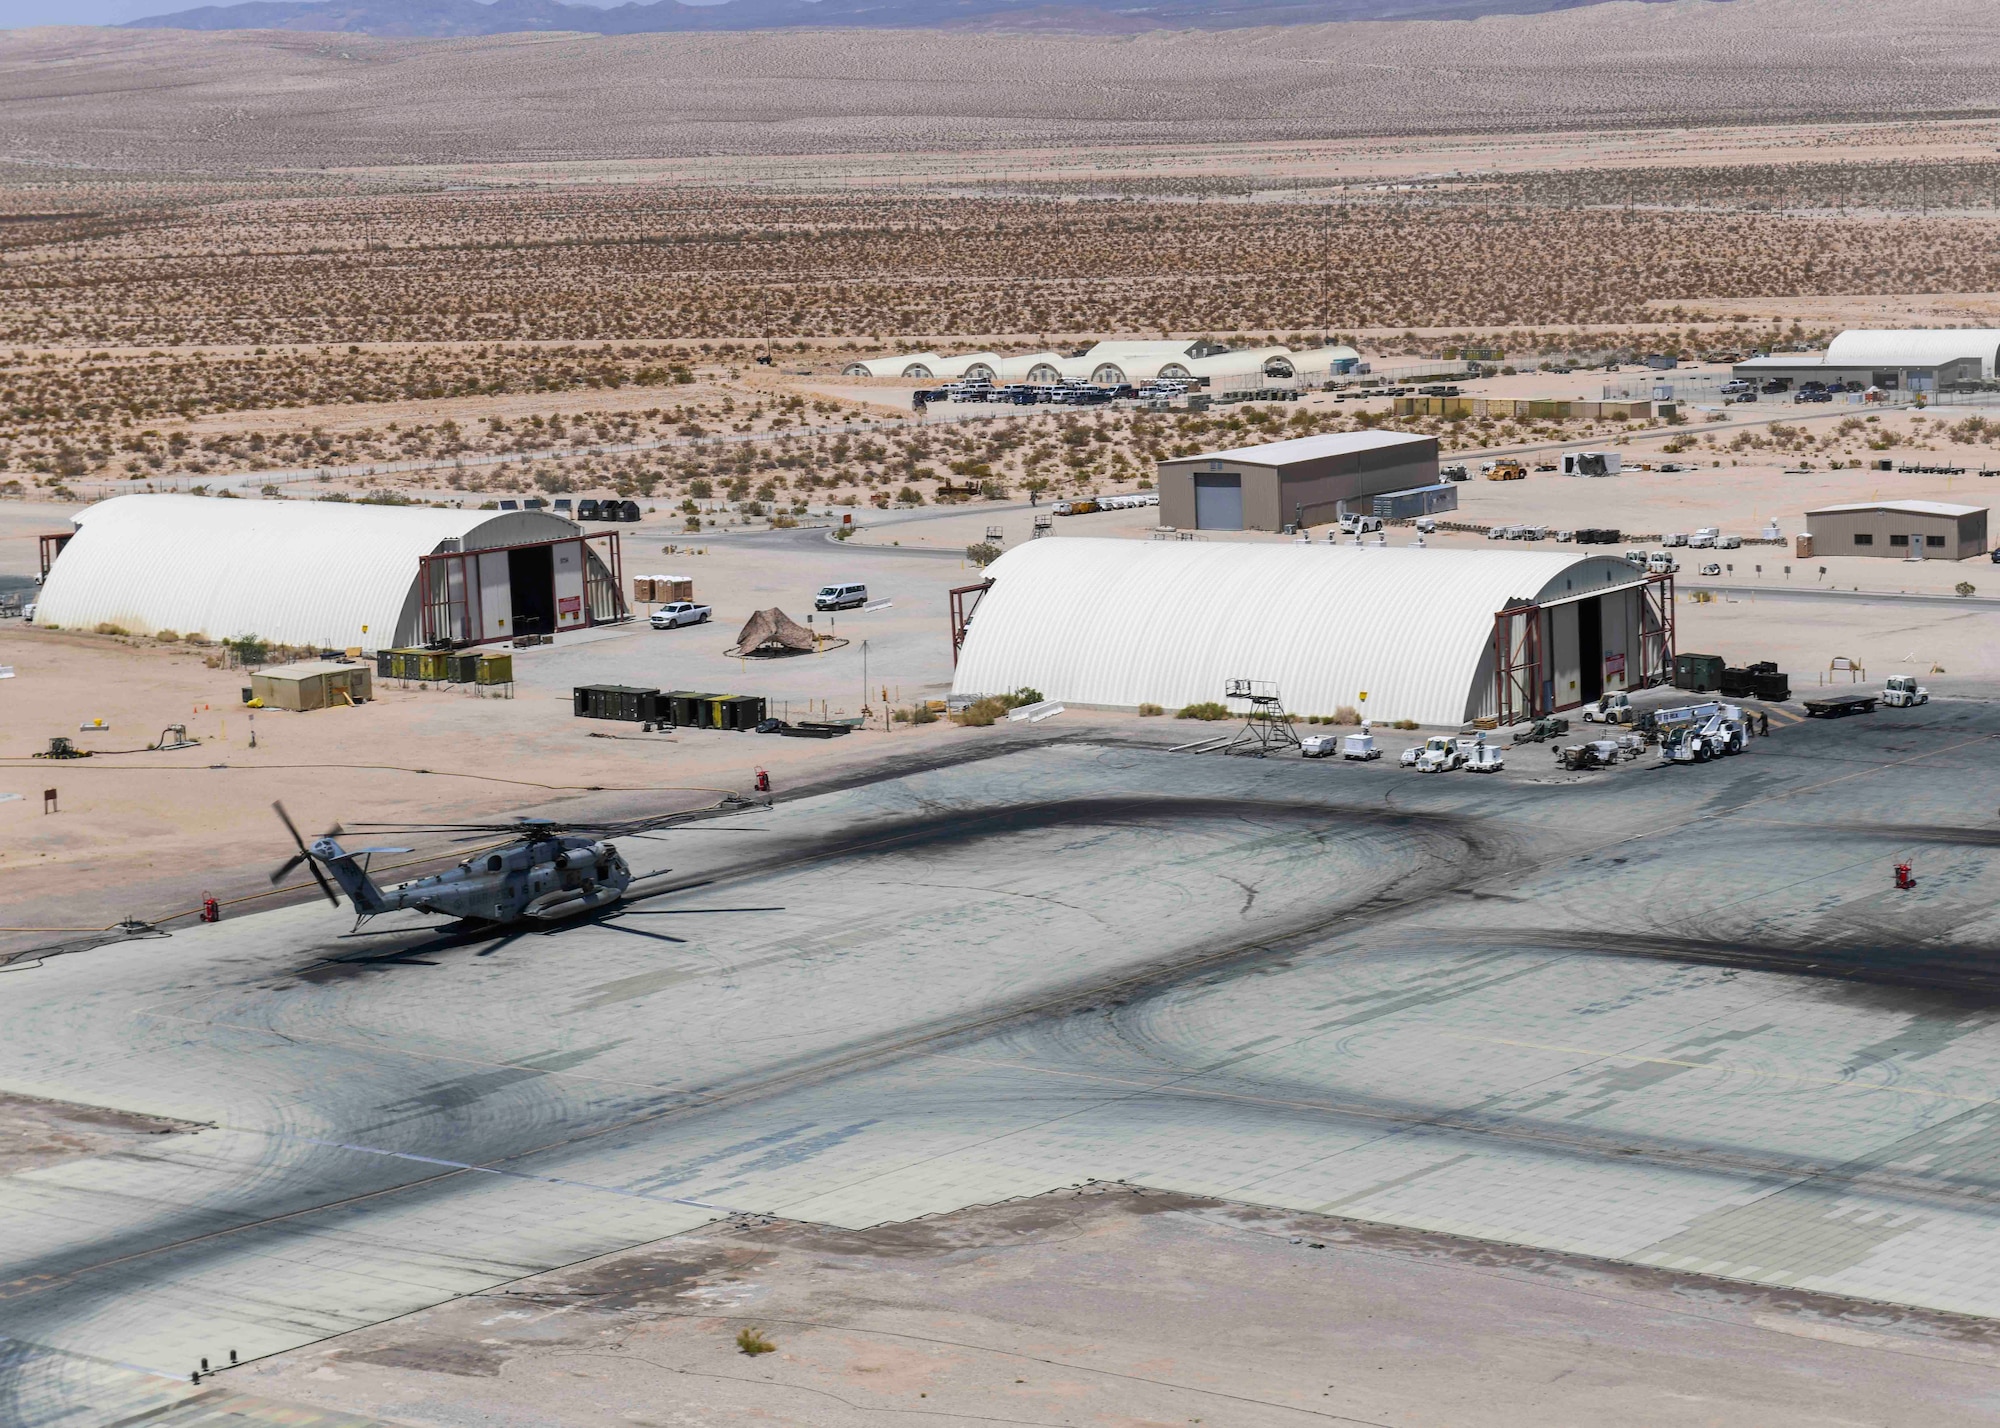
[1439, 636]
[329, 574]
[1119, 363]
[1891, 359]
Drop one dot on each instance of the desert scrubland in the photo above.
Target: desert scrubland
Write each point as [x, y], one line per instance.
[227, 259]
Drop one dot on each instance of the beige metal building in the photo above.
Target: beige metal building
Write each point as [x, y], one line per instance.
[1307, 480]
[1900, 530]
[320, 684]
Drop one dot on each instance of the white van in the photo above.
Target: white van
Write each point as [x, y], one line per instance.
[840, 597]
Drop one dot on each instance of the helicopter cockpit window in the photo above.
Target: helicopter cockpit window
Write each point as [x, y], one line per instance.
[493, 864]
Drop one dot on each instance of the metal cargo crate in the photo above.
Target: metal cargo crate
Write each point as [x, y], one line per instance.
[385, 664]
[428, 665]
[495, 669]
[690, 708]
[1698, 672]
[461, 668]
[739, 712]
[623, 702]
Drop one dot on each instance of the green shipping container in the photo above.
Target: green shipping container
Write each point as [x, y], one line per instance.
[1701, 673]
[689, 709]
[495, 669]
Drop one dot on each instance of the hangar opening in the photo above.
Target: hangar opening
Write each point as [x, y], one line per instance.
[330, 574]
[1444, 637]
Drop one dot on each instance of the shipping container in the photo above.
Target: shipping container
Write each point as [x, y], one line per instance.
[430, 665]
[623, 702]
[740, 712]
[1701, 673]
[689, 707]
[495, 669]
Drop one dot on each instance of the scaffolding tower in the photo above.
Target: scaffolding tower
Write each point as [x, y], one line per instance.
[1266, 728]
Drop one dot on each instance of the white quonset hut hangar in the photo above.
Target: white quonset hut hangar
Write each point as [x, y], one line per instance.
[1438, 636]
[329, 574]
[1121, 363]
[1905, 359]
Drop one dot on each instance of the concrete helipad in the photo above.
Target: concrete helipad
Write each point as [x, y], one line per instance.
[1670, 1016]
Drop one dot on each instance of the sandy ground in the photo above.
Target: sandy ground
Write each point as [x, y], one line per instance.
[36, 1133]
[1105, 1305]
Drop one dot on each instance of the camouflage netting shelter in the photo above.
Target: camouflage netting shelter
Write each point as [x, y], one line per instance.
[773, 632]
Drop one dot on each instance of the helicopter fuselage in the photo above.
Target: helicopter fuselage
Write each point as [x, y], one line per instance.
[542, 879]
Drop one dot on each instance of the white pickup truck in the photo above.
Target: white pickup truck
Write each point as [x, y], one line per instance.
[681, 612]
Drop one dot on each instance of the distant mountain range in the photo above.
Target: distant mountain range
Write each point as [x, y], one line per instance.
[440, 18]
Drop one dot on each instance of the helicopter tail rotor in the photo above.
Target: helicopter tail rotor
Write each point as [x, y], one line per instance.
[304, 855]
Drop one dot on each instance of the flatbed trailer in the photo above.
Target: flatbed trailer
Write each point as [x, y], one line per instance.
[1837, 706]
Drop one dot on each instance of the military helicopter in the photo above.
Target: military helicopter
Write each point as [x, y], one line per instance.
[547, 871]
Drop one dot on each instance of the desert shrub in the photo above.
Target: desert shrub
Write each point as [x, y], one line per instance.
[167, 637]
[753, 1343]
[1966, 587]
[248, 649]
[197, 639]
[1150, 711]
[981, 714]
[982, 553]
[107, 628]
[1026, 694]
[1345, 714]
[1404, 724]
[1208, 709]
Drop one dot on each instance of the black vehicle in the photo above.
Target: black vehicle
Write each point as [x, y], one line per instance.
[1776, 385]
[586, 510]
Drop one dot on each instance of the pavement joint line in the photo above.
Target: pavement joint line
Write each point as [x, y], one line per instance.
[493, 1170]
[1848, 1084]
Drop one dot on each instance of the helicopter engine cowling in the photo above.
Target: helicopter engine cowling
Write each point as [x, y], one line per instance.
[594, 855]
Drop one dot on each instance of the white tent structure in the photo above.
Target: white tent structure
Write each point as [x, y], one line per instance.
[322, 573]
[1117, 623]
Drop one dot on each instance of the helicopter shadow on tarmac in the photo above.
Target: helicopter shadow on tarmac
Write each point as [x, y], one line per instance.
[452, 936]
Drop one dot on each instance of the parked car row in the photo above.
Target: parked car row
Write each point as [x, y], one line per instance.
[583, 510]
[1130, 501]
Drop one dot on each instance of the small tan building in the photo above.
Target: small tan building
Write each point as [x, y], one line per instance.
[1899, 530]
[316, 684]
[1307, 480]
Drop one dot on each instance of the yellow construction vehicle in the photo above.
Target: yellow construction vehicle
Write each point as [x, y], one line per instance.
[1506, 471]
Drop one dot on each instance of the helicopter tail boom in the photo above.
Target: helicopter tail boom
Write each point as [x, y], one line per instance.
[352, 877]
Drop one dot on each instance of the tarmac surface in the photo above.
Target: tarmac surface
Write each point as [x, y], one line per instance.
[1676, 1018]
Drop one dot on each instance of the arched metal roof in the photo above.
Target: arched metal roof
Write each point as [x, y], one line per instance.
[297, 572]
[1118, 623]
[1914, 347]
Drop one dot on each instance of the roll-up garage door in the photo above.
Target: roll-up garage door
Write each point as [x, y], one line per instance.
[1218, 502]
